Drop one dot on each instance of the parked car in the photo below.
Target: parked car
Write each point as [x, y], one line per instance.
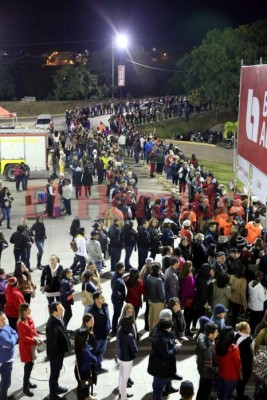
[44, 121]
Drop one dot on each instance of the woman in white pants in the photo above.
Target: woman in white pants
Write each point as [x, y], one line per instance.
[126, 352]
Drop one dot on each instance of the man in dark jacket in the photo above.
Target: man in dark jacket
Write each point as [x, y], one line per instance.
[38, 230]
[118, 294]
[100, 312]
[206, 361]
[57, 344]
[20, 244]
[143, 243]
[115, 236]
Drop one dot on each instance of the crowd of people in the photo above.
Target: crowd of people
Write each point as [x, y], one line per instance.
[201, 272]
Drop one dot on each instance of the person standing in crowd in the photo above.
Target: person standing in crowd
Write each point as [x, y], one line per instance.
[77, 182]
[38, 229]
[81, 254]
[143, 243]
[257, 295]
[85, 352]
[50, 190]
[154, 237]
[187, 293]
[229, 363]
[25, 283]
[163, 352]
[28, 340]
[129, 236]
[177, 318]
[238, 284]
[126, 351]
[94, 252]
[3, 243]
[171, 280]
[118, 294]
[25, 175]
[18, 172]
[66, 294]
[87, 181]
[259, 347]
[14, 298]
[115, 235]
[50, 284]
[29, 237]
[206, 360]
[20, 244]
[57, 344]
[155, 294]
[243, 341]
[100, 312]
[8, 340]
[2, 289]
[67, 190]
[135, 290]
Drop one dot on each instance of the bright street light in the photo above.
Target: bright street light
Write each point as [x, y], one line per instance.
[122, 41]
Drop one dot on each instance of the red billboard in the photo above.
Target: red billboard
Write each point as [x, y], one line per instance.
[252, 128]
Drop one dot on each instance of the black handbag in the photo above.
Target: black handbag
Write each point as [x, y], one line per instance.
[84, 383]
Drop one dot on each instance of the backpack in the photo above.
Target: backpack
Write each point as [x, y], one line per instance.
[73, 246]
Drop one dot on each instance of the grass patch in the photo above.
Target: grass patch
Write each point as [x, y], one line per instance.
[197, 123]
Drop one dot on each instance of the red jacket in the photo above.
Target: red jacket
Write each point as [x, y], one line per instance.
[134, 294]
[230, 365]
[27, 333]
[13, 300]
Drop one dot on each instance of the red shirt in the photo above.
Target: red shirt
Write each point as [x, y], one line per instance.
[230, 365]
[14, 298]
[134, 294]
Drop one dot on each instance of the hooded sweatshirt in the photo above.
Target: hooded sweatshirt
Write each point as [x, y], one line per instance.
[257, 296]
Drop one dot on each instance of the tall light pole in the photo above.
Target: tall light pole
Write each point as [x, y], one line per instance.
[121, 43]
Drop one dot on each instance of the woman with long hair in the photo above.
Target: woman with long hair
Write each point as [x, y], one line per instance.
[135, 290]
[186, 248]
[25, 283]
[187, 293]
[238, 284]
[177, 317]
[229, 363]
[259, 347]
[126, 351]
[5, 206]
[85, 351]
[66, 294]
[243, 341]
[28, 340]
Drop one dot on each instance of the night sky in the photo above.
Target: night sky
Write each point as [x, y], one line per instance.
[38, 25]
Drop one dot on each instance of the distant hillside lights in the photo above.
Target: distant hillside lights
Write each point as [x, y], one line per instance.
[66, 58]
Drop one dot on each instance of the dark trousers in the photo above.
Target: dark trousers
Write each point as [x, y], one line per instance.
[142, 255]
[225, 389]
[67, 205]
[52, 299]
[5, 373]
[236, 308]
[12, 322]
[78, 191]
[27, 256]
[147, 316]
[56, 363]
[117, 307]
[241, 385]
[18, 179]
[115, 257]
[67, 313]
[158, 385]
[78, 265]
[188, 316]
[255, 318]
[204, 389]
[128, 252]
[50, 205]
[27, 373]
[19, 255]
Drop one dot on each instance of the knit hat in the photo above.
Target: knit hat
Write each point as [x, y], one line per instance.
[240, 242]
[219, 308]
[187, 223]
[165, 314]
[94, 232]
[203, 321]
[199, 237]
[220, 253]
[12, 281]
[186, 389]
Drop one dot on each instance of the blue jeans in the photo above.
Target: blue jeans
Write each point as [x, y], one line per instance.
[98, 265]
[225, 388]
[157, 386]
[80, 265]
[40, 247]
[6, 212]
[128, 252]
[5, 373]
[101, 346]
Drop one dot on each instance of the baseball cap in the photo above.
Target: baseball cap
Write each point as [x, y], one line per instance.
[219, 308]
